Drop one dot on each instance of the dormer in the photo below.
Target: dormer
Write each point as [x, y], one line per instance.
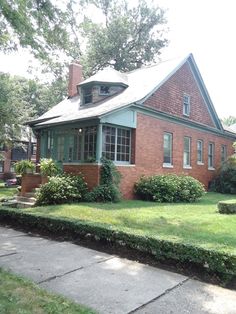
[102, 85]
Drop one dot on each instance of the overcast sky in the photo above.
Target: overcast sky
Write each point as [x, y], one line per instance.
[204, 27]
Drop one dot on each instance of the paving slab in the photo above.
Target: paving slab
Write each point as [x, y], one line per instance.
[8, 232]
[115, 286]
[193, 297]
[40, 259]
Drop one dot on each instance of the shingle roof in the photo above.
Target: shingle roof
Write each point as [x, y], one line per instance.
[108, 75]
[141, 83]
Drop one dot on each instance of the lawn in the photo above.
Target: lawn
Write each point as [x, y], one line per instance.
[197, 224]
[18, 296]
[6, 192]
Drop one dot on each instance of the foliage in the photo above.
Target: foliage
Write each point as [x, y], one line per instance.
[22, 100]
[169, 188]
[18, 295]
[104, 193]
[227, 207]
[229, 120]
[42, 26]
[24, 166]
[108, 189]
[161, 248]
[225, 180]
[130, 36]
[48, 167]
[61, 189]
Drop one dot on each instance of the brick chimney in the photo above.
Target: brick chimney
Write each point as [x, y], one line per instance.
[75, 77]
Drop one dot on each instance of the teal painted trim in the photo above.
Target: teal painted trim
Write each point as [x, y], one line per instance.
[72, 124]
[125, 117]
[99, 143]
[184, 122]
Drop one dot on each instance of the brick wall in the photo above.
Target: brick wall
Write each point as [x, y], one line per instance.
[30, 182]
[169, 97]
[89, 171]
[149, 152]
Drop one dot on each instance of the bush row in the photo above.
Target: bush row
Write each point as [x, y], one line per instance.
[161, 249]
[169, 188]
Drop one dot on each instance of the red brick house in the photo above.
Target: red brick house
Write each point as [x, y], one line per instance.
[154, 120]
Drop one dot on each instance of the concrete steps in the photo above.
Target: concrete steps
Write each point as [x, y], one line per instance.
[21, 201]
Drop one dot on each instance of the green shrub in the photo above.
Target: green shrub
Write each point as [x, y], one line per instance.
[211, 260]
[48, 167]
[61, 189]
[104, 193]
[225, 180]
[227, 207]
[24, 166]
[108, 189]
[169, 188]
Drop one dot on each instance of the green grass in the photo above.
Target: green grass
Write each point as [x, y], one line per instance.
[198, 224]
[20, 296]
[6, 192]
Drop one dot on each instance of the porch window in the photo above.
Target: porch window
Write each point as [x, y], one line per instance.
[1, 166]
[187, 152]
[116, 144]
[90, 140]
[60, 148]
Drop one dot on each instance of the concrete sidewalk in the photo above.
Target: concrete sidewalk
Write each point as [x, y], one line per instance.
[107, 283]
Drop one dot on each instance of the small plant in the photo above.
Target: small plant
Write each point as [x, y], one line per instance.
[169, 188]
[48, 167]
[227, 207]
[62, 189]
[24, 166]
[108, 190]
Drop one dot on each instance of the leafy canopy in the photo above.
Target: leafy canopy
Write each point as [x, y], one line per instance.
[229, 120]
[128, 37]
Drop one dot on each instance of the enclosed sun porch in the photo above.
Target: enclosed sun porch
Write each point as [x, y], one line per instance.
[78, 148]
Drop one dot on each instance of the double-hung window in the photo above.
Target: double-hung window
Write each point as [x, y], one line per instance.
[200, 152]
[186, 105]
[1, 166]
[187, 152]
[168, 148]
[211, 155]
[223, 153]
[116, 144]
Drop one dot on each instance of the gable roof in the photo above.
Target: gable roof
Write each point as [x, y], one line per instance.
[141, 83]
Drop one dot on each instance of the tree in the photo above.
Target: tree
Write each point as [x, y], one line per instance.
[128, 38]
[22, 100]
[229, 120]
[48, 30]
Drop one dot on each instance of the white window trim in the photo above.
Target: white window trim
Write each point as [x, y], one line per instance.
[186, 114]
[117, 162]
[165, 165]
[185, 166]
[200, 162]
[168, 164]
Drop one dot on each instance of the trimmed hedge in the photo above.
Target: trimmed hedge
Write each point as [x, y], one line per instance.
[221, 263]
[169, 188]
[227, 207]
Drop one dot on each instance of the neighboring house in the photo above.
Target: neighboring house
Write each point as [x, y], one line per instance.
[153, 120]
[15, 151]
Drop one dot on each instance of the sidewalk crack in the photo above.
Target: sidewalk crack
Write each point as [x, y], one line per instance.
[167, 291]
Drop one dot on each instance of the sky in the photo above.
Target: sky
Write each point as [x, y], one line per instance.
[205, 28]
